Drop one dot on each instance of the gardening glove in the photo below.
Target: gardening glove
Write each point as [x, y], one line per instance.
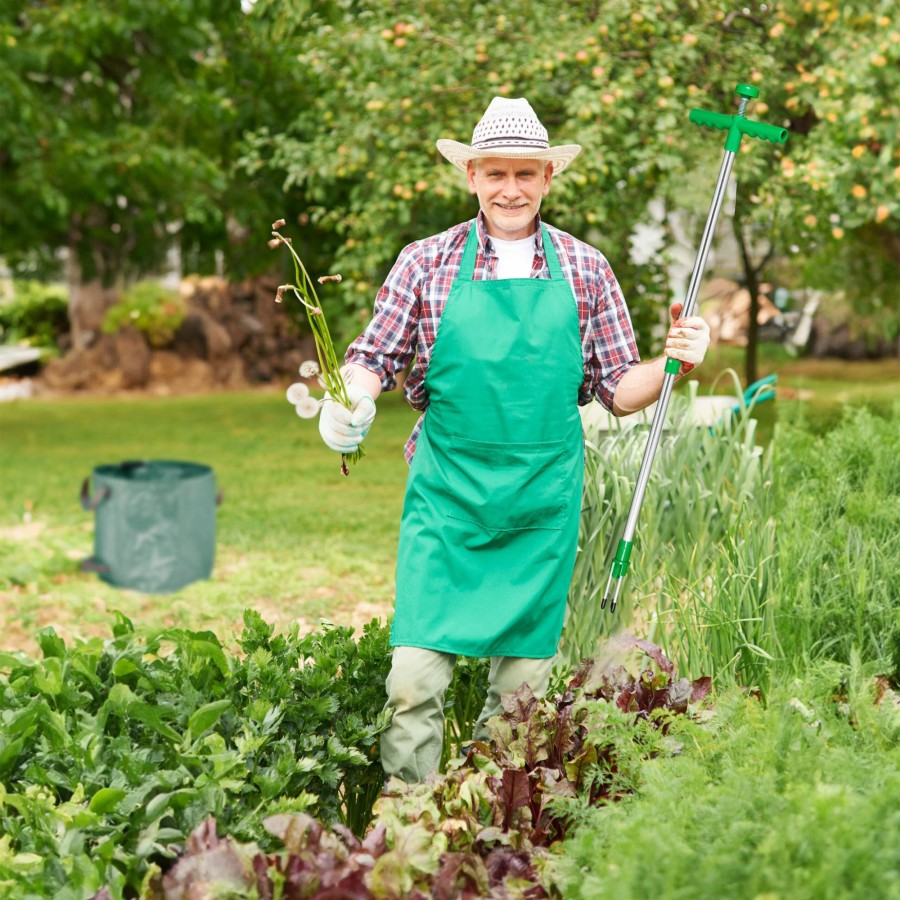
[343, 429]
[687, 339]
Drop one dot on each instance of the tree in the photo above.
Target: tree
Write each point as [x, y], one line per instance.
[823, 208]
[119, 126]
[840, 175]
[387, 79]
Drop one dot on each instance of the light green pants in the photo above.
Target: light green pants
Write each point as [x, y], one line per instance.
[418, 680]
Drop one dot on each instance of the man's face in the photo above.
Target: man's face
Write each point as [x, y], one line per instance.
[509, 192]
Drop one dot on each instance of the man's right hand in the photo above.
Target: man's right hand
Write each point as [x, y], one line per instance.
[343, 429]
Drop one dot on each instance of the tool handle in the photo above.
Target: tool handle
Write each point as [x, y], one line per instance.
[738, 126]
[763, 131]
[710, 119]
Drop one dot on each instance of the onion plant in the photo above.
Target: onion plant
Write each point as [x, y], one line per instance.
[329, 368]
[704, 548]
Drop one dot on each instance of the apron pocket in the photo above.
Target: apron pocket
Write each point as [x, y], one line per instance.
[506, 487]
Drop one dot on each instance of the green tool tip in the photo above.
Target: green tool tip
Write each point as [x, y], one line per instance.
[747, 90]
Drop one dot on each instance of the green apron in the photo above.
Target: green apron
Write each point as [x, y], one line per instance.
[491, 513]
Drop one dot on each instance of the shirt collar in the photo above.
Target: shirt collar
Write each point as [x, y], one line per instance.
[486, 245]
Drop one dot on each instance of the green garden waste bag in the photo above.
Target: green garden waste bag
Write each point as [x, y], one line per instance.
[155, 524]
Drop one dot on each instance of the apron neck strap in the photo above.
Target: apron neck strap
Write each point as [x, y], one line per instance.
[467, 265]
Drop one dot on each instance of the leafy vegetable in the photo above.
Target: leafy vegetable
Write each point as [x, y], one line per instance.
[112, 752]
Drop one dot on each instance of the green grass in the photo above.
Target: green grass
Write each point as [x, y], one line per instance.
[295, 539]
[817, 389]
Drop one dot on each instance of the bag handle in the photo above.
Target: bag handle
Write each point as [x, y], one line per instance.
[89, 503]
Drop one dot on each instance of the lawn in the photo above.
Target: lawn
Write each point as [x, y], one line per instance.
[296, 540]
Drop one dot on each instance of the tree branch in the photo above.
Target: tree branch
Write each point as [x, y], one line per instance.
[740, 14]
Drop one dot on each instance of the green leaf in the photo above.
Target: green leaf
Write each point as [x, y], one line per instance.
[48, 677]
[51, 645]
[157, 806]
[153, 716]
[15, 660]
[124, 666]
[9, 754]
[105, 800]
[124, 626]
[209, 650]
[122, 701]
[206, 716]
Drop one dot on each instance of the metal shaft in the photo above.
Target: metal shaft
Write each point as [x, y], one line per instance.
[662, 406]
[669, 380]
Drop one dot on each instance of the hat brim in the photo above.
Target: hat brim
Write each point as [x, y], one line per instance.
[460, 154]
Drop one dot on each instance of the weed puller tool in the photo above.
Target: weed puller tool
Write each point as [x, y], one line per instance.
[736, 126]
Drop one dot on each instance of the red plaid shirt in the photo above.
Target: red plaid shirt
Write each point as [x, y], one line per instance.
[409, 305]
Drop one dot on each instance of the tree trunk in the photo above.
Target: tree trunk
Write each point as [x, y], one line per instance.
[751, 369]
[88, 303]
[752, 279]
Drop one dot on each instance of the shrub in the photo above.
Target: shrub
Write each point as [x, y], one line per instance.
[151, 309]
[38, 315]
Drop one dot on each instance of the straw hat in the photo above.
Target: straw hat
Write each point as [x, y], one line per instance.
[509, 129]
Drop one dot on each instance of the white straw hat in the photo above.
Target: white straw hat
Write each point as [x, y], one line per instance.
[509, 129]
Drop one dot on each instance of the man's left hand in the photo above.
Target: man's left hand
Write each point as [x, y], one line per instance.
[687, 339]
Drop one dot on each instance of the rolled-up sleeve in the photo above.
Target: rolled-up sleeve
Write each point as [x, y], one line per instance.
[611, 347]
[388, 344]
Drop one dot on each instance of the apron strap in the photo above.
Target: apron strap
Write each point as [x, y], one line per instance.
[467, 264]
[550, 252]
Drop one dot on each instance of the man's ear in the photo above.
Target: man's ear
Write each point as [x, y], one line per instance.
[470, 175]
[548, 177]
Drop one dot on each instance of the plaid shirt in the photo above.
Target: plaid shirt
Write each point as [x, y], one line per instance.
[409, 305]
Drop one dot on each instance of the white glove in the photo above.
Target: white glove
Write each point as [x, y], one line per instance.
[343, 429]
[687, 339]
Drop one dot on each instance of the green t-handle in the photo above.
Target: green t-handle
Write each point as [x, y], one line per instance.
[737, 126]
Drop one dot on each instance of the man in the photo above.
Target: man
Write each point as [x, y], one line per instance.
[512, 324]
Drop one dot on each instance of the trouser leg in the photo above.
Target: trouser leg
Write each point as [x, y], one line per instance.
[509, 673]
[418, 680]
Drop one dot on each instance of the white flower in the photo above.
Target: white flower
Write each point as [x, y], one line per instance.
[297, 392]
[308, 408]
[309, 368]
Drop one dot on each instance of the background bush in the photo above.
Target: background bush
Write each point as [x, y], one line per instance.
[150, 308]
[37, 315]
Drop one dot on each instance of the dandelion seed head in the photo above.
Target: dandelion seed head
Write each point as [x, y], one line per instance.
[309, 368]
[273, 244]
[335, 278]
[279, 294]
[278, 223]
[307, 408]
[297, 392]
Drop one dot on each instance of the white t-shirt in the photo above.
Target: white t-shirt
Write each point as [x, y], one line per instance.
[514, 258]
